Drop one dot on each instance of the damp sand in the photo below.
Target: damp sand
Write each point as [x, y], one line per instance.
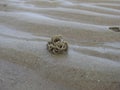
[93, 58]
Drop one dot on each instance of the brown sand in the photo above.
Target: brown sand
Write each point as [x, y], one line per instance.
[93, 59]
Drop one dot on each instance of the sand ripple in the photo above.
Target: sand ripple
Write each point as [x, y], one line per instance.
[93, 59]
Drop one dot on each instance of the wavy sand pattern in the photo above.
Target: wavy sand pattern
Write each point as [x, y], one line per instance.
[93, 59]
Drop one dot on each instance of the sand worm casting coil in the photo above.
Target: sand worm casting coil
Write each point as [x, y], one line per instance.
[57, 45]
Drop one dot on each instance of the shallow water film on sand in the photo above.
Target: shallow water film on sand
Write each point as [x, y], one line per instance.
[93, 58]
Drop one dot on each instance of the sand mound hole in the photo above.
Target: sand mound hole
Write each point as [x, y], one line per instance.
[115, 29]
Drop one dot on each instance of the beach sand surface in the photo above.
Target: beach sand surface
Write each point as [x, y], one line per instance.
[93, 58]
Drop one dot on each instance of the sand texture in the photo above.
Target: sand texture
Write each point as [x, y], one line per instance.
[93, 58]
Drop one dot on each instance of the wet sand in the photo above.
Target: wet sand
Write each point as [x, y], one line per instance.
[93, 59]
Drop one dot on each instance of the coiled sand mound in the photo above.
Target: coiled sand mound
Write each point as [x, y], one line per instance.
[57, 45]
